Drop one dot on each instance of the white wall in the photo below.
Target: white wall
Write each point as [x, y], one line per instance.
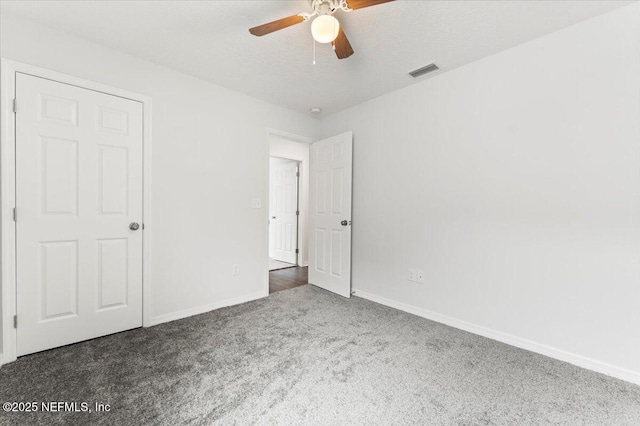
[210, 157]
[283, 147]
[514, 183]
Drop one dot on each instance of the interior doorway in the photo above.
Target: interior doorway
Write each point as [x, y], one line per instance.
[325, 176]
[288, 188]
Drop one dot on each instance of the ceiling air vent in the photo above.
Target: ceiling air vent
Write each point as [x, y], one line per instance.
[424, 70]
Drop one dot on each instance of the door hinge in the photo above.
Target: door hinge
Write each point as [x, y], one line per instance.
[15, 215]
[15, 105]
[297, 212]
[297, 174]
[297, 251]
[15, 321]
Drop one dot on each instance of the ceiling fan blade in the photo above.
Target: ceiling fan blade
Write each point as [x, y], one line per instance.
[359, 4]
[342, 46]
[280, 24]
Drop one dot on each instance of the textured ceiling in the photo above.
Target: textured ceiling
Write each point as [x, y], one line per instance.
[210, 40]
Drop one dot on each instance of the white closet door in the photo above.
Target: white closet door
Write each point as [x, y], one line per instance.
[330, 220]
[78, 192]
[284, 211]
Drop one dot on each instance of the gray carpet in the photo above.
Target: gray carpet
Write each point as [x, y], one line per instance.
[305, 356]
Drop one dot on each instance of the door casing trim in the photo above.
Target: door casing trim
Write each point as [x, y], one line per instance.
[8, 284]
[293, 138]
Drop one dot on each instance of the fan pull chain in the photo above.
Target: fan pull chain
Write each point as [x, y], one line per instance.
[314, 51]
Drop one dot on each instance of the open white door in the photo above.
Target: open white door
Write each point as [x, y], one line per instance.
[330, 214]
[78, 214]
[284, 212]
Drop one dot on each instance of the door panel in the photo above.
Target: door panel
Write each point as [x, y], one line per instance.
[113, 281]
[58, 279]
[330, 246]
[59, 171]
[284, 208]
[78, 187]
[113, 180]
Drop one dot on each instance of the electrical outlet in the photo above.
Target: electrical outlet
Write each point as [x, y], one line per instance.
[412, 275]
[235, 269]
[420, 277]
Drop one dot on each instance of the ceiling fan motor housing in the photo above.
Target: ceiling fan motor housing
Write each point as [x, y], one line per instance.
[327, 29]
[328, 7]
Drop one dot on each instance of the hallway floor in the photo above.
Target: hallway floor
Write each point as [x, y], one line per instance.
[284, 279]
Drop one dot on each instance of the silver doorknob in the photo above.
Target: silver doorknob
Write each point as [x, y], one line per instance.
[134, 226]
[344, 223]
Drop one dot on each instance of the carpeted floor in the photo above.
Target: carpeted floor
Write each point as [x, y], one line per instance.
[306, 356]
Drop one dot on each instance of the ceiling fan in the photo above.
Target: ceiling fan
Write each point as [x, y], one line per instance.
[325, 28]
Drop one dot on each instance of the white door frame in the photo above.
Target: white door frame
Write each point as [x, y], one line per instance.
[8, 285]
[294, 138]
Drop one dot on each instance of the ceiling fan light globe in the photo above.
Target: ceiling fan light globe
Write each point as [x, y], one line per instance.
[325, 28]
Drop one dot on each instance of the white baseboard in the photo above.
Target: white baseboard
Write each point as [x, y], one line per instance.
[509, 339]
[1, 363]
[205, 308]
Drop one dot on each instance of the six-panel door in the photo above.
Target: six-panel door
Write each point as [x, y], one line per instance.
[284, 207]
[330, 220]
[78, 188]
